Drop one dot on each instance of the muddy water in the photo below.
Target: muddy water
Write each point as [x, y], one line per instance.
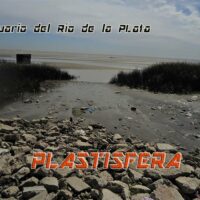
[158, 117]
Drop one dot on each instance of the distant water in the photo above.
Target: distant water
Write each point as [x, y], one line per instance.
[94, 68]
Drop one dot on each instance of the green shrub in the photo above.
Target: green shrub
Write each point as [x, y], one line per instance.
[163, 77]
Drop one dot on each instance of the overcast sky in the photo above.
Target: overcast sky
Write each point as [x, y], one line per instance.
[175, 26]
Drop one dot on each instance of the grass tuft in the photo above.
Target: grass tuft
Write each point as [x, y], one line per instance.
[15, 78]
[164, 77]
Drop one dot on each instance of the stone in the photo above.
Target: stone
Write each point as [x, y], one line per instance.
[153, 174]
[163, 192]
[95, 194]
[27, 101]
[95, 182]
[173, 173]
[84, 138]
[139, 189]
[10, 192]
[155, 184]
[77, 184]
[146, 181]
[82, 145]
[41, 172]
[105, 176]
[6, 128]
[50, 183]
[64, 194]
[29, 182]
[4, 151]
[109, 195]
[117, 137]
[166, 147]
[80, 132]
[41, 196]
[5, 168]
[20, 174]
[133, 109]
[185, 170]
[62, 173]
[29, 138]
[194, 98]
[197, 172]
[11, 137]
[52, 196]
[134, 175]
[29, 192]
[188, 185]
[141, 196]
[120, 188]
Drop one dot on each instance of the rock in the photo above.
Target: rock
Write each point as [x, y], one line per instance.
[185, 170]
[21, 173]
[188, 185]
[83, 145]
[155, 184]
[65, 195]
[141, 196]
[50, 183]
[139, 189]
[11, 137]
[153, 174]
[163, 192]
[126, 179]
[41, 196]
[188, 114]
[120, 188]
[166, 147]
[29, 192]
[4, 151]
[29, 138]
[29, 182]
[109, 195]
[79, 132]
[173, 173]
[95, 194]
[62, 173]
[135, 176]
[133, 109]
[194, 98]
[84, 138]
[77, 184]
[10, 192]
[6, 128]
[41, 172]
[197, 172]
[95, 182]
[146, 181]
[117, 137]
[5, 168]
[27, 101]
[105, 176]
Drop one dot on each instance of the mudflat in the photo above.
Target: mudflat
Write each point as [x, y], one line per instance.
[130, 112]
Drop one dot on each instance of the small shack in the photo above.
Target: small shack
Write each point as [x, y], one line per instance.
[23, 58]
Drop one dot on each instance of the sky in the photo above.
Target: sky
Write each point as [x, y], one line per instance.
[175, 26]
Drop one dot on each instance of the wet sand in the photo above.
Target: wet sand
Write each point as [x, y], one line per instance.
[158, 117]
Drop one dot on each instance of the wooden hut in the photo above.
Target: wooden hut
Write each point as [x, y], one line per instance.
[23, 58]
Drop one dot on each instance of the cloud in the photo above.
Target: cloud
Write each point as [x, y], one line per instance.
[170, 20]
